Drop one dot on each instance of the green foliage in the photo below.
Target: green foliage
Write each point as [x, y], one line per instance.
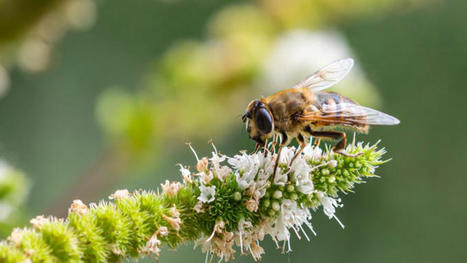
[138, 223]
[90, 236]
[61, 240]
[185, 200]
[115, 228]
[11, 254]
[34, 245]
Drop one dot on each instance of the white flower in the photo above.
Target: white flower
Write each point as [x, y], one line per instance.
[332, 163]
[171, 188]
[290, 217]
[199, 207]
[220, 171]
[281, 177]
[218, 228]
[256, 251]
[202, 165]
[242, 230]
[267, 166]
[152, 246]
[79, 207]
[38, 221]
[216, 159]
[16, 236]
[252, 205]
[301, 172]
[206, 176]
[163, 231]
[329, 206]
[120, 194]
[243, 225]
[312, 153]
[305, 186]
[174, 218]
[184, 171]
[246, 167]
[287, 154]
[186, 174]
[223, 172]
[208, 193]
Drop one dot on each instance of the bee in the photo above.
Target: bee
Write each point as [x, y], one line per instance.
[305, 111]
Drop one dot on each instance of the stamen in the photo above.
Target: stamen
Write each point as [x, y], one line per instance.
[338, 221]
[212, 235]
[296, 232]
[193, 150]
[241, 242]
[213, 146]
[310, 226]
[304, 233]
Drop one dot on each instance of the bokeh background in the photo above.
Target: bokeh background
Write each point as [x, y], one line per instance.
[98, 95]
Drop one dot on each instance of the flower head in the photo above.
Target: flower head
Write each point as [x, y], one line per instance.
[120, 194]
[38, 221]
[246, 167]
[208, 193]
[186, 174]
[79, 207]
[283, 201]
[171, 188]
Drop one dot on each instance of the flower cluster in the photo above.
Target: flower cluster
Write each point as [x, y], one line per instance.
[226, 204]
[243, 201]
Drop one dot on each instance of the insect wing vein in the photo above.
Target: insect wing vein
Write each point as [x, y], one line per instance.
[327, 76]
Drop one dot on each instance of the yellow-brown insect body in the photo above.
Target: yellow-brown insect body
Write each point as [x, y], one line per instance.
[333, 111]
[289, 106]
[305, 111]
[284, 106]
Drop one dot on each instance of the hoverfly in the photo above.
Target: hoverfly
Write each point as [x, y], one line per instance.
[306, 111]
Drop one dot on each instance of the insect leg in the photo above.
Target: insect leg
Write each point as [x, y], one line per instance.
[265, 147]
[316, 142]
[275, 140]
[302, 141]
[284, 142]
[256, 148]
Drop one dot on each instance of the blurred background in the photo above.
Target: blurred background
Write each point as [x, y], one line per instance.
[97, 95]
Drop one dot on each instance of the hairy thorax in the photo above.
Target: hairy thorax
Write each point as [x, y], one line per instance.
[285, 107]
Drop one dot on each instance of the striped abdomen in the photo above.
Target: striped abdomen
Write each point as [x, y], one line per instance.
[334, 110]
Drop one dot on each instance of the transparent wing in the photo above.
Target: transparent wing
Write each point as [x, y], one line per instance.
[349, 113]
[327, 76]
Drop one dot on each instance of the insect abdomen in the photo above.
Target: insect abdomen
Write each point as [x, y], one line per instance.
[334, 111]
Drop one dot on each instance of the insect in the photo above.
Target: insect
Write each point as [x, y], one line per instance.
[305, 111]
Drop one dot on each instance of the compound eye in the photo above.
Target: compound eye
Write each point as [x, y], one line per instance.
[263, 120]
